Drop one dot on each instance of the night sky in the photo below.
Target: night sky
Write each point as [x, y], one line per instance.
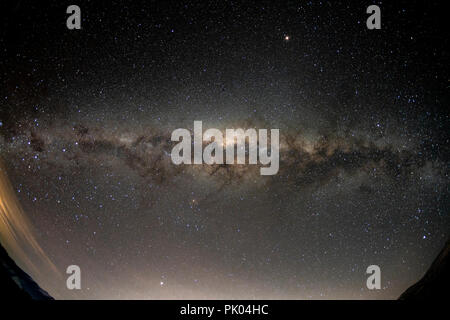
[85, 123]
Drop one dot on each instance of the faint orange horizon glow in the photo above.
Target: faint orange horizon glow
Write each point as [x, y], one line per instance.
[17, 235]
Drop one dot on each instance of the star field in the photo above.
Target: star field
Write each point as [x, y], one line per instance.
[85, 123]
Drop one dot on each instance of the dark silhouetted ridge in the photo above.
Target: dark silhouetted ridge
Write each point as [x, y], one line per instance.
[435, 283]
[15, 283]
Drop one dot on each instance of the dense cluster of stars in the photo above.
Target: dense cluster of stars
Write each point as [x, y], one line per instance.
[85, 124]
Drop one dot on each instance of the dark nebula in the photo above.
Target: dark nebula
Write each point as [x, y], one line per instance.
[86, 118]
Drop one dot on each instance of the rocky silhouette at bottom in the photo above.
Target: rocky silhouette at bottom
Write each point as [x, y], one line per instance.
[435, 283]
[16, 284]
